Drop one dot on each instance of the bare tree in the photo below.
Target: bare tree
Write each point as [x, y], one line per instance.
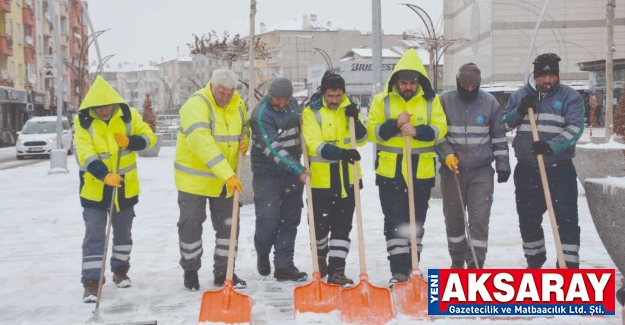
[226, 48]
[432, 40]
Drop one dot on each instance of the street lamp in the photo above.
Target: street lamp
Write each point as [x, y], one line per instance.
[170, 90]
[82, 53]
[132, 85]
[325, 56]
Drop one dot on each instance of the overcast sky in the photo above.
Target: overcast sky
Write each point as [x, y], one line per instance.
[144, 30]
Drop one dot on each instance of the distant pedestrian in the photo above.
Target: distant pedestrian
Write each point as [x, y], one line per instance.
[278, 180]
[107, 129]
[211, 124]
[476, 136]
[559, 112]
[327, 134]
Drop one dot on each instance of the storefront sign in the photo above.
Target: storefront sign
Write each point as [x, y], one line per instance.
[12, 95]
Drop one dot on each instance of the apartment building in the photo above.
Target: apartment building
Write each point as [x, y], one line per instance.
[28, 61]
[500, 31]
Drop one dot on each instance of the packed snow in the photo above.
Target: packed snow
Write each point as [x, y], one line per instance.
[42, 230]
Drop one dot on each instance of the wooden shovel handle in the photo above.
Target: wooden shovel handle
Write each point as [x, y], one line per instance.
[311, 214]
[361, 240]
[235, 220]
[411, 207]
[543, 178]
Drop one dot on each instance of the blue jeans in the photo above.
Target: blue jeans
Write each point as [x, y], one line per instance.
[95, 236]
[531, 205]
[278, 203]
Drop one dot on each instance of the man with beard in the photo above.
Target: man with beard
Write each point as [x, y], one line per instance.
[476, 136]
[559, 112]
[408, 106]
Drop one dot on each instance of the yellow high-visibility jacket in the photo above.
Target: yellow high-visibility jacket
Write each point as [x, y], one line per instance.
[97, 151]
[208, 142]
[426, 110]
[326, 132]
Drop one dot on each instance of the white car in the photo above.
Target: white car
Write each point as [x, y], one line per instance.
[38, 137]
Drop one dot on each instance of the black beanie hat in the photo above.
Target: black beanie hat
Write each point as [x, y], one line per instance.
[547, 64]
[331, 80]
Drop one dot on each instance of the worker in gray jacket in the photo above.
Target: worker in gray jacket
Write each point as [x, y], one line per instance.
[475, 136]
[278, 179]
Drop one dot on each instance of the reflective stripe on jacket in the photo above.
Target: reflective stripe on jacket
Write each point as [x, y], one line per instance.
[208, 142]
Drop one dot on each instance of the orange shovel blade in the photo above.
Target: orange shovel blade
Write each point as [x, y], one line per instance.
[317, 297]
[366, 304]
[225, 306]
[411, 297]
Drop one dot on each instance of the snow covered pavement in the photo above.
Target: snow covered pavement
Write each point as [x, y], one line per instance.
[41, 236]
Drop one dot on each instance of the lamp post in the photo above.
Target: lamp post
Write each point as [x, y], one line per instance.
[132, 85]
[58, 156]
[84, 50]
[325, 56]
[170, 90]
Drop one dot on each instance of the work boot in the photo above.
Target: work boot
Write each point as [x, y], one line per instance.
[457, 265]
[263, 265]
[338, 277]
[323, 267]
[191, 281]
[91, 291]
[471, 265]
[121, 278]
[237, 282]
[397, 278]
[290, 273]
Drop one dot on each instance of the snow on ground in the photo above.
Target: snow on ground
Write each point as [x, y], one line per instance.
[41, 234]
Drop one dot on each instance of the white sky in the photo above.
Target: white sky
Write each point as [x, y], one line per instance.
[148, 30]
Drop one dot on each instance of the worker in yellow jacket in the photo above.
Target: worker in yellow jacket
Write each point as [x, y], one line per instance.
[327, 134]
[212, 123]
[408, 106]
[107, 129]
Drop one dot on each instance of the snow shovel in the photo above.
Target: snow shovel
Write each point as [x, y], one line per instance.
[466, 221]
[95, 317]
[226, 305]
[363, 303]
[543, 178]
[411, 297]
[316, 297]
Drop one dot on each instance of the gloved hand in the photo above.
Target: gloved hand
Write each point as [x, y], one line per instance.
[452, 162]
[541, 148]
[502, 176]
[243, 146]
[233, 183]
[112, 179]
[351, 110]
[526, 102]
[122, 140]
[350, 155]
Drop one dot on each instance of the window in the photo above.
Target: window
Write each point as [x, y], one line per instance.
[18, 34]
[20, 77]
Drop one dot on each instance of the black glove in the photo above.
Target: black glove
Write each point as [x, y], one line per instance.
[526, 102]
[541, 148]
[351, 110]
[350, 155]
[502, 176]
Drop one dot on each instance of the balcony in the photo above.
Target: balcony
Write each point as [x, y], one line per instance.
[28, 16]
[5, 5]
[6, 44]
[29, 54]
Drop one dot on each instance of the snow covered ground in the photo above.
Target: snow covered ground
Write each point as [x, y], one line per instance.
[41, 234]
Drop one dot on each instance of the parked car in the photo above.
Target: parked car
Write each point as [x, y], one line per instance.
[38, 137]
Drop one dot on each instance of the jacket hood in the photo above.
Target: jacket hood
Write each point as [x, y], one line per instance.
[411, 61]
[101, 93]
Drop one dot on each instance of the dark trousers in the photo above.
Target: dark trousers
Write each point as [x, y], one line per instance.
[333, 215]
[192, 216]
[530, 204]
[95, 236]
[278, 203]
[397, 224]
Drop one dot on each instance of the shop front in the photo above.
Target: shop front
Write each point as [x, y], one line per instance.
[13, 114]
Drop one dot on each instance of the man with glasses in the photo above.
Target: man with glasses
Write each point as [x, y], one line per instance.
[278, 179]
[107, 131]
[559, 113]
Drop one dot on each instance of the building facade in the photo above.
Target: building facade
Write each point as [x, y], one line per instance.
[500, 31]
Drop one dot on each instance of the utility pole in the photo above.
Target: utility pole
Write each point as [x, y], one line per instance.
[376, 11]
[609, 71]
[58, 156]
[251, 99]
